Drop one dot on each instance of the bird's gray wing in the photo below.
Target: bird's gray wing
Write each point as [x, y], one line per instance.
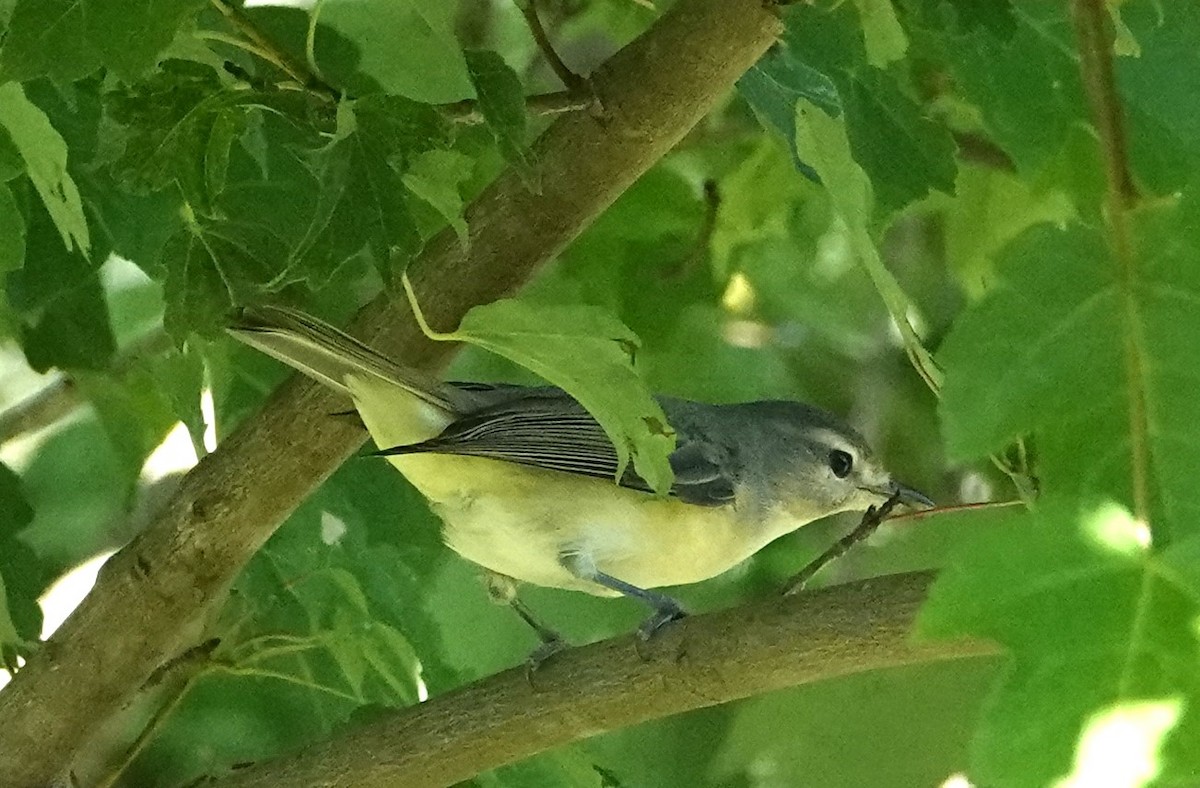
[544, 427]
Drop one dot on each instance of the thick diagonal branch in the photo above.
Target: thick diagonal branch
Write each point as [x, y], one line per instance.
[144, 608]
[703, 661]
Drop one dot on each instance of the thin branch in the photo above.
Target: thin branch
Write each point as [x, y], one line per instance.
[578, 96]
[144, 606]
[871, 520]
[61, 396]
[701, 661]
[54, 401]
[1092, 28]
[183, 671]
[467, 110]
[569, 78]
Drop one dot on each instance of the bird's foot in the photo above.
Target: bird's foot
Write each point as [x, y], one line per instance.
[545, 651]
[663, 615]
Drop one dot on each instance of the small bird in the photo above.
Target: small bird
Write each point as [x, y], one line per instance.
[525, 480]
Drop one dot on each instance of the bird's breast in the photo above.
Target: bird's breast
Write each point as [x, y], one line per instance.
[520, 521]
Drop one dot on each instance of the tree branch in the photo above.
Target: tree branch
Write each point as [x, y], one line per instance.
[61, 396]
[556, 103]
[701, 661]
[150, 597]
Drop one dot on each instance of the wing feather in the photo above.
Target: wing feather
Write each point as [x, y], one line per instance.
[546, 428]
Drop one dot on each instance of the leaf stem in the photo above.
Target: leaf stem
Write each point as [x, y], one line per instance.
[437, 336]
[234, 670]
[1096, 71]
[147, 734]
[277, 56]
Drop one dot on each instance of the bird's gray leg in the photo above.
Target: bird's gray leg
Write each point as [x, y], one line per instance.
[665, 608]
[503, 590]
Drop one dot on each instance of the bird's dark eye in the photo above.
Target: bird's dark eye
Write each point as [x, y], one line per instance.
[841, 463]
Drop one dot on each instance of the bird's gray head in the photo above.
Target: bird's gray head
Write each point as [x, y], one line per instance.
[812, 464]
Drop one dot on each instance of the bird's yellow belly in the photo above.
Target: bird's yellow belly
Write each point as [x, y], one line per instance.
[521, 522]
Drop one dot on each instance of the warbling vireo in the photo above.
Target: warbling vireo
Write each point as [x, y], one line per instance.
[524, 478]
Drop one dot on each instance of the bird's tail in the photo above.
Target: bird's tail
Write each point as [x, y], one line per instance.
[333, 357]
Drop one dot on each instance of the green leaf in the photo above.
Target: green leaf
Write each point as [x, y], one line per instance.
[1050, 364]
[883, 36]
[1023, 70]
[991, 208]
[11, 643]
[131, 34]
[335, 603]
[179, 377]
[15, 511]
[587, 353]
[362, 198]
[47, 38]
[904, 153]
[73, 332]
[502, 102]
[773, 87]
[824, 139]
[180, 125]
[60, 302]
[45, 156]
[1159, 88]
[11, 163]
[1092, 617]
[407, 46]
[198, 294]
[12, 232]
[134, 411]
[20, 617]
[436, 177]
[69, 39]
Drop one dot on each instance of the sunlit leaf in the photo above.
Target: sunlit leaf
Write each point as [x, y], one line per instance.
[502, 102]
[435, 177]
[45, 155]
[589, 354]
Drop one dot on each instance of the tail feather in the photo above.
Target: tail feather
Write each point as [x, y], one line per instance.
[333, 357]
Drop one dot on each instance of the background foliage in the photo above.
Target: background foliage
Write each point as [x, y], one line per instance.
[892, 177]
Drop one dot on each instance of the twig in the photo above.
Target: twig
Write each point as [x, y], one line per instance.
[61, 396]
[56, 400]
[569, 78]
[871, 521]
[183, 670]
[467, 110]
[1096, 71]
[277, 56]
[578, 96]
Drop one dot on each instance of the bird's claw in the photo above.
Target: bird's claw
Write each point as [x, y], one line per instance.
[662, 616]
